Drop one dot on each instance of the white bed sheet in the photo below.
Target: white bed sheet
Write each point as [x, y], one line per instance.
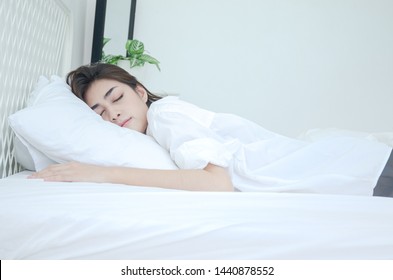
[44, 220]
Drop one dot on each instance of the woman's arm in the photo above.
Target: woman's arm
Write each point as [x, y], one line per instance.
[211, 178]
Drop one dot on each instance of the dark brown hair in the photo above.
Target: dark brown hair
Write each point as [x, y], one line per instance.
[81, 79]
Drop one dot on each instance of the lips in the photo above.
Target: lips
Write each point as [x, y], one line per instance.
[125, 122]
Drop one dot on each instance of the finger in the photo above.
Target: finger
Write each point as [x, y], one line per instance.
[51, 177]
[50, 171]
[33, 176]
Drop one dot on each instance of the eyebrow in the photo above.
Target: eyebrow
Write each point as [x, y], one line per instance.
[105, 97]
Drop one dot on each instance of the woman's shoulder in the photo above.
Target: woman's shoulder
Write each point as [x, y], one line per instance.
[173, 105]
[168, 101]
[166, 104]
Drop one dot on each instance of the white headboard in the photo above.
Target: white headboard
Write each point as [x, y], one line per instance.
[33, 36]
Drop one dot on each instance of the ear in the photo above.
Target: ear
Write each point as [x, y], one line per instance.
[141, 91]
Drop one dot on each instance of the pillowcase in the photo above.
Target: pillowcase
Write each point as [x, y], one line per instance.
[56, 126]
[23, 155]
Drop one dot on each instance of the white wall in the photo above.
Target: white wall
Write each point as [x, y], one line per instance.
[82, 12]
[288, 65]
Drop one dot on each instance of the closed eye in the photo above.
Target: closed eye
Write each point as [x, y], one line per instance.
[117, 99]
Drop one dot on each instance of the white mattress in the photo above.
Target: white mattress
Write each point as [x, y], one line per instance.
[45, 220]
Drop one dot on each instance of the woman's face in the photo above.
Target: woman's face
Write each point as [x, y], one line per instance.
[118, 103]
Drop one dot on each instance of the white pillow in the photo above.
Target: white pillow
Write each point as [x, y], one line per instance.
[57, 126]
[24, 152]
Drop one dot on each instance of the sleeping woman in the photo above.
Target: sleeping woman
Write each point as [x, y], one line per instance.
[220, 152]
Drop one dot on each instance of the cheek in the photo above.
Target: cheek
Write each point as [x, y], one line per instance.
[105, 117]
[136, 105]
[89, 100]
[143, 111]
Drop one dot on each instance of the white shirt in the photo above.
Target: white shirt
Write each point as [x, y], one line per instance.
[261, 160]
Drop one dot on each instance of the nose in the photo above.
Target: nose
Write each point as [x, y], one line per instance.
[115, 116]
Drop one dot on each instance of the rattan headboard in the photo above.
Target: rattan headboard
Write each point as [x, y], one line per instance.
[33, 36]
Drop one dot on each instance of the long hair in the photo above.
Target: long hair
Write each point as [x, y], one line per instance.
[81, 79]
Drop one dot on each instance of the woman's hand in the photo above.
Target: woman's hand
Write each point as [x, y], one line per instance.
[71, 172]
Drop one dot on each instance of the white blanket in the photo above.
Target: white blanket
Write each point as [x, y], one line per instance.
[43, 220]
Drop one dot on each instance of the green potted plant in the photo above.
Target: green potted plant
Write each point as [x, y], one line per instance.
[136, 55]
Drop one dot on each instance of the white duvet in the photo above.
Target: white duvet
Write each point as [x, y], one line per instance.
[261, 160]
[43, 220]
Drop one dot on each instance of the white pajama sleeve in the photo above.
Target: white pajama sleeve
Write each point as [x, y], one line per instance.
[191, 143]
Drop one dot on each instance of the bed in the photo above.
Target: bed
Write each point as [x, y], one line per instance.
[58, 220]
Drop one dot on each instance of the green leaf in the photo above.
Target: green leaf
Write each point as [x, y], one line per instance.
[135, 47]
[135, 54]
[149, 59]
[112, 59]
[105, 40]
[135, 62]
